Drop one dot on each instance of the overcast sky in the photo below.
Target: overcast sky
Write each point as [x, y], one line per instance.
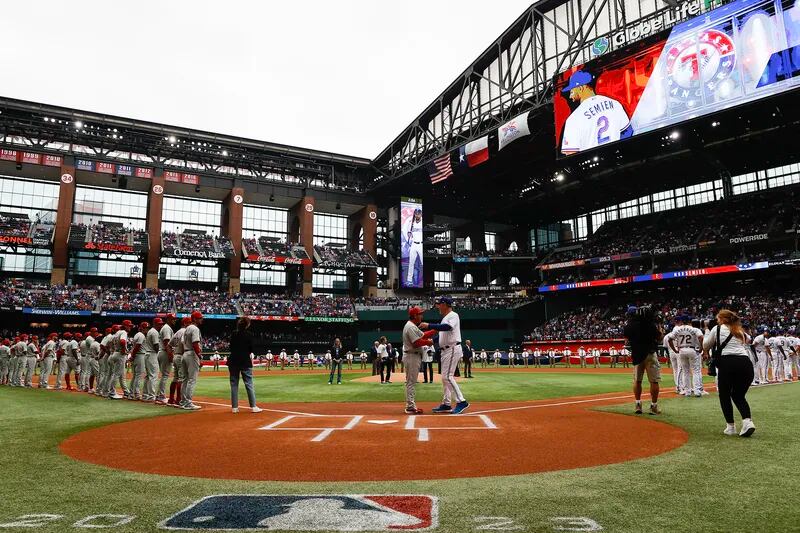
[340, 75]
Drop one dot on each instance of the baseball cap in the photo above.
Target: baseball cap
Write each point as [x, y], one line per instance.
[197, 315]
[414, 311]
[67, 335]
[144, 325]
[170, 316]
[92, 330]
[578, 78]
[23, 336]
[109, 330]
[78, 335]
[157, 321]
[185, 321]
[127, 323]
[444, 300]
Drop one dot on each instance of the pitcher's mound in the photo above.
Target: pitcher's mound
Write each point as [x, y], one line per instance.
[400, 377]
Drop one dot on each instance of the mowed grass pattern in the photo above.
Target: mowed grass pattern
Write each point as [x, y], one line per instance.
[713, 483]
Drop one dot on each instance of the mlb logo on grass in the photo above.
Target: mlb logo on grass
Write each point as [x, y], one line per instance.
[348, 512]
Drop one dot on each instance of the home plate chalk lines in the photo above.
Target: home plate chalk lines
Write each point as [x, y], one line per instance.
[423, 425]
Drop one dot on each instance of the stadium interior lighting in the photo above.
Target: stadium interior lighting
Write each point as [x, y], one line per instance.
[78, 124]
[595, 159]
[714, 124]
[674, 135]
[224, 153]
[172, 139]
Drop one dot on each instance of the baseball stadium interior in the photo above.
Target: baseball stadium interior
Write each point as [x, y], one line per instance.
[542, 244]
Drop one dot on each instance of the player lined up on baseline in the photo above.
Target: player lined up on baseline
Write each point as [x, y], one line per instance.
[774, 354]
[97, 361]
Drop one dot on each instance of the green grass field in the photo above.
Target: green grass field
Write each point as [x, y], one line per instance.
[713, 483]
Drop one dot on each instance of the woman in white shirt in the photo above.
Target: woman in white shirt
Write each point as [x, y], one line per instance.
[734, 370]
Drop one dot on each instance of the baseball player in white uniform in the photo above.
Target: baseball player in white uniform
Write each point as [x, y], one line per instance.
[138, 358]
[776, 352]
[105, 352]
[794, 354]
[674, 362]
[412, 232]
[48, 356]
[450, 344]
[5, 361]
[116, 362]
[597, 120]
[414, 342]
[762, 359]
[31, 359]
[687, 341]
[789, 348]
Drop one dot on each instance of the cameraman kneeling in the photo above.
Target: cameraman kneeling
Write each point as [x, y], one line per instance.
[644, 335]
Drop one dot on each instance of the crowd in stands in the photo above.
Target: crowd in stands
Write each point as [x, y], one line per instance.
[207, 302]
[14, 225]
[15, 293]
[113, 233]
[271, 247]
[138, 300]
[708, 223]
[607, 322]
[253, 304]
[169, 240]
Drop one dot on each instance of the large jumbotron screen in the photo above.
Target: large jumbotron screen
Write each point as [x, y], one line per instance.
[411, 243]
[735, 54]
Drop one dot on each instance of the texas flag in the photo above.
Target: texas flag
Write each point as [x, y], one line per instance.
[475, 153]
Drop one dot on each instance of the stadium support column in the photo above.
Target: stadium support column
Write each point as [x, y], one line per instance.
[301, 231]
[155, 204]
[366, 219]
[66, 202]
[232, 228]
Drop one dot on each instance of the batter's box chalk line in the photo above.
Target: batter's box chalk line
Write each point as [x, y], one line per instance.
[483, 422]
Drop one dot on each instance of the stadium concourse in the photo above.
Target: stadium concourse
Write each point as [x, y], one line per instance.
[566, 297]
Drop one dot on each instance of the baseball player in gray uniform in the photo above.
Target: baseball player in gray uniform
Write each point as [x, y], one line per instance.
[31, 359]
[88, 363]
[165, 355]
[116, 362]
[177, 363]
[151, 343]
[105, 353]
[18, 353]
[192, 357]
[68, 361]
[414, 341]
[137, 362]
[5, 361]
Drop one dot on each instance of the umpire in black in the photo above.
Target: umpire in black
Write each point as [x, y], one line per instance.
[337, 356]
[467, 357]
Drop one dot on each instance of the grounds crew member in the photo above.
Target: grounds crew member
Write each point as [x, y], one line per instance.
[414, 342]
[192, 359]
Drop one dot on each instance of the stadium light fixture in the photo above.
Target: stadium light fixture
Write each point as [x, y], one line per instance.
[78, 124]
[595, 159]
[714, 124]
[224, 153]
[674, 135]
[172, 139]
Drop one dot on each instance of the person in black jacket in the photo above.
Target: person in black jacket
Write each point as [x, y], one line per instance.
[467, 358]
[644, 334]
[337, 356]
[239, 363]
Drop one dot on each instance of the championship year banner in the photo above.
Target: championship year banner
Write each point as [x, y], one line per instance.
[737, 53]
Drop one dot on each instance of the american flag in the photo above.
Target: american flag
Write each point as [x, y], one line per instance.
[440, 168]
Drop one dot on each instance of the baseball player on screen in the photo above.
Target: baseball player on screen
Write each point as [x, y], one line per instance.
[412, 231]
[597, 119]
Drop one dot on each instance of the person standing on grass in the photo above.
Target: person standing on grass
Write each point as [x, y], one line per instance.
[468, 356]
[414, 343]
[728, 342]
[216, 357]
[240, 365]
[450, 346]
[644, 335]
[336, 353]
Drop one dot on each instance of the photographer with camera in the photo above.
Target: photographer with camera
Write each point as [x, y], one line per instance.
[644, 334]
[727, 343]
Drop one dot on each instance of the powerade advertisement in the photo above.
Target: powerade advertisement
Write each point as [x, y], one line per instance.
[738, 53]
[411, 243]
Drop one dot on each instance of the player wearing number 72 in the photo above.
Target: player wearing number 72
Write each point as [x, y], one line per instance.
[597, 119]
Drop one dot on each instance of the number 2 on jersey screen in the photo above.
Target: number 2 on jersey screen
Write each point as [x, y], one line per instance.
[737, 53]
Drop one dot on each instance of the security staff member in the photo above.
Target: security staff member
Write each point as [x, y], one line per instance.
[468, 355]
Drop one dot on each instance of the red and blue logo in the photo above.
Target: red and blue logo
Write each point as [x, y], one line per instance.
[324, 512]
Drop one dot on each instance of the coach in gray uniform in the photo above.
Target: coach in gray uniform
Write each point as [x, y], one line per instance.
[414, 342]
[192, 348]
[5, 361]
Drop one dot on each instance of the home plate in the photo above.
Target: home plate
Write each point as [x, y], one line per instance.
[382, 421]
